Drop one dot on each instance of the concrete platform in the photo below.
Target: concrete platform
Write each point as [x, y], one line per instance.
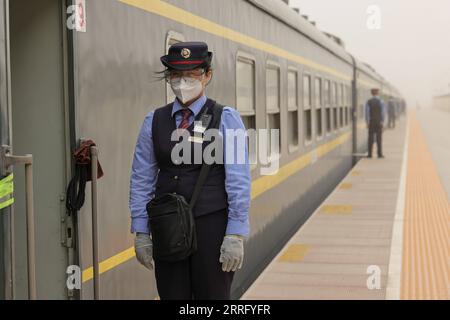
[350, 232]
[384, 232]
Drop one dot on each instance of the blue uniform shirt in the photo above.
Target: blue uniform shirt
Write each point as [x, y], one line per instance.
[383, 110]
[145, 168]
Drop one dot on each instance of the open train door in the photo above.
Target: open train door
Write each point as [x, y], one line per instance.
[35, 135]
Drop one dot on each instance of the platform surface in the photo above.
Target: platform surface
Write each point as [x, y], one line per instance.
[383, 233]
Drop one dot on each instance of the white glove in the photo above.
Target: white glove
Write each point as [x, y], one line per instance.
[232, 253]
[143, 247]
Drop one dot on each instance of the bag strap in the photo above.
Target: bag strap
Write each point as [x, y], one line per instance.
[216, 111]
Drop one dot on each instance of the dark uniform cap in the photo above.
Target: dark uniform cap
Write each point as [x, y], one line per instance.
[187, 56]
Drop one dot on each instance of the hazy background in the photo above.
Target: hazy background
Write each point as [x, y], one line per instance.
[411, 49]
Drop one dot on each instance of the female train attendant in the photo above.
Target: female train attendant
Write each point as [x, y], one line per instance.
[221, 210]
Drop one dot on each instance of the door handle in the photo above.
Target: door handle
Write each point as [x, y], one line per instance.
[10, 160]
[95, 258]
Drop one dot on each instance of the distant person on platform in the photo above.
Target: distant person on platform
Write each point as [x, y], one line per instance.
[392, 111]
[375, 110]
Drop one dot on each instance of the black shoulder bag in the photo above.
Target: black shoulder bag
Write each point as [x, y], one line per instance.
[171, 217]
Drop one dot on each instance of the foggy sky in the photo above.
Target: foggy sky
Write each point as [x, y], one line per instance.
[411, 49]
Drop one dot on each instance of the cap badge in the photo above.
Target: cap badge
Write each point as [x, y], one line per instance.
[185, 53]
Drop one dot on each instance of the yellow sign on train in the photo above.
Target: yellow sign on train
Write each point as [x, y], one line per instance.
[6, 191]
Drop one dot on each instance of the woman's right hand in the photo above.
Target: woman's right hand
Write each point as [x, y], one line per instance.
[143, 248]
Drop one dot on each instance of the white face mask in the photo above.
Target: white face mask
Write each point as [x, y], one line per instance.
[186, 90]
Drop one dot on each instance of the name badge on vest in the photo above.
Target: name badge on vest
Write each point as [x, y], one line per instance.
[200, 128]
[195, 139]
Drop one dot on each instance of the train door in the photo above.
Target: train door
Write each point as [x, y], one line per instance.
[5, 186]
[36, 124]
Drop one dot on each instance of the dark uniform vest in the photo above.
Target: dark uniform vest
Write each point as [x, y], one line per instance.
[181, 178]
[375, 111]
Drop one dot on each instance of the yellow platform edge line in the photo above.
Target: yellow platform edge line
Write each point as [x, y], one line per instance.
[425, 269]
[295, 252]
[336, 209]
[109, 263]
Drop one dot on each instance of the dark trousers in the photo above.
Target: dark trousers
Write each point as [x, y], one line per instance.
[200, 276]
[391, 123]
[377, 130]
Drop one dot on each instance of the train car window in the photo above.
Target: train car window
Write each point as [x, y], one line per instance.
[363, 102]
[332, 94]
[172, 38]
[307, 113]
[292, 109]
[326, 92]
[245, 96]
[345, 95]
[307, 92]
[349, 103]
[338, 103]
[364, 98]
[345, 104]
[273, 88]
[273, 103]
[292, 90]
[349, 95]
[327, 100]
[360, 106]
[245, 91]
[318, 105]
[334, 102]
[359, 101]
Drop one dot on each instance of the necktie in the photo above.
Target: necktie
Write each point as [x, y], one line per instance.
[185, 121]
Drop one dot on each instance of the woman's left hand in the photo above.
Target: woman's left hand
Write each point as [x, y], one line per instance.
[232, 253]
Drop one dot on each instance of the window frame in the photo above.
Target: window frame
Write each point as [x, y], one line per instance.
[335, 109]
[271, 64]
[327, 104]
[309, 107]
[291, 109]
[241, 55]
[348, 96]
[346, 104]
[293, 70]
[342, 104]
[320, 98]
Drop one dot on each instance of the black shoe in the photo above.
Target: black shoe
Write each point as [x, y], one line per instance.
[380, 157]
[369, 156]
